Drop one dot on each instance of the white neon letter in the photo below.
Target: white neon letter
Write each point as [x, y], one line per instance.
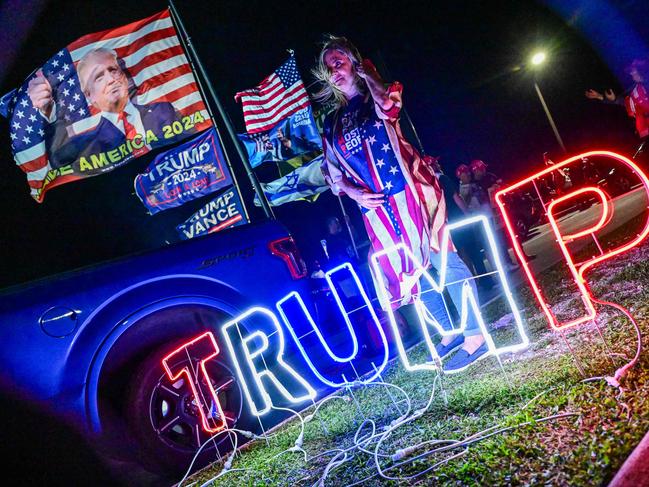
[504, 283]
[385, 301]
[261, 360]
[293, 296]
[426, 319]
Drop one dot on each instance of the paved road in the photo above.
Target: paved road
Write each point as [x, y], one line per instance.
[543, 243]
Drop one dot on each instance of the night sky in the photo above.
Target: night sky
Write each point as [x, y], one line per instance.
[467, 92]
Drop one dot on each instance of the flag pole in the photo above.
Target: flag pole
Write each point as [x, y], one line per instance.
[348, 225]
[404, 112]
[224, 116]
[218, 132]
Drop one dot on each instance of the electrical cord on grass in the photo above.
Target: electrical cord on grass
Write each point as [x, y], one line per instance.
[362, 439]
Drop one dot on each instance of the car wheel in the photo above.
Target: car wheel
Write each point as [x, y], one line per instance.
[164, 417]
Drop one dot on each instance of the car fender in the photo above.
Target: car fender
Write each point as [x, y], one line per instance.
[106, 324]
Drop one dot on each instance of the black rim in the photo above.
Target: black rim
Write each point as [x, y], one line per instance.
[175, 417]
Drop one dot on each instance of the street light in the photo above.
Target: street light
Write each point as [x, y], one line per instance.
[537, 60]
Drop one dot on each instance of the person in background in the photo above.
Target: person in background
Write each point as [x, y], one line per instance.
[336, 245]
[468, 191]
[335, 249]
[369, 160]
[558, 180]
[465, 239]
[635, 100]
[476, 201]
[489, 184]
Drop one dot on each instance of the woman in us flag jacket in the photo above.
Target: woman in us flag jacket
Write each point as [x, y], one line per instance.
[369, 160]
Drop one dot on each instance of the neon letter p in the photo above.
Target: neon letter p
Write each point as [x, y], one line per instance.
[577, 269]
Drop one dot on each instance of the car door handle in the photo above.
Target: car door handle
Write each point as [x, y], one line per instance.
[59, 321]
[70, 313]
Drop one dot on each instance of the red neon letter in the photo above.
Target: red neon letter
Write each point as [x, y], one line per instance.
[198, 351]
[577, 269]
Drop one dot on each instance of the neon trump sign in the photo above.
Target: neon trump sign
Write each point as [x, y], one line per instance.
[199, 351]
[274, 371]
[349, 370]
[257, 343]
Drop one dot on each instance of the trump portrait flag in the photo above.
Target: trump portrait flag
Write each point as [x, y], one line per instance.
[102, 101]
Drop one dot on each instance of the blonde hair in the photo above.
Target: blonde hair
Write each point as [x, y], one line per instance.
[329, 93]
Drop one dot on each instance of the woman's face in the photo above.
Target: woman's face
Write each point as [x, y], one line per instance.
[341, 71]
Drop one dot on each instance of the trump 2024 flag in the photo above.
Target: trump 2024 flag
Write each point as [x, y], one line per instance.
[102, 101]
[186, 172]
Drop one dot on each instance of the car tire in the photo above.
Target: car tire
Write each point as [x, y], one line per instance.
[165, 422]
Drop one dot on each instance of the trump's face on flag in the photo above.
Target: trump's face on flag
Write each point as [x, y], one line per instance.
[103, 81]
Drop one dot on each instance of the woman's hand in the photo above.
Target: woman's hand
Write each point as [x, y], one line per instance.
[366, 198]
[366, 69]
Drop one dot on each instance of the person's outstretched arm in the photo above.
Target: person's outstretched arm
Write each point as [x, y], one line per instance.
[608, 96]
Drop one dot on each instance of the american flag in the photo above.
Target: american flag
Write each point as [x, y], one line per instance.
[278, 96]
[154, 57]
[372, 152]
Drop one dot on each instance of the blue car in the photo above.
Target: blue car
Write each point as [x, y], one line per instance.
[86, 346]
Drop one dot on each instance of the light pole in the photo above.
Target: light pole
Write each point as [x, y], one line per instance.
[537, 60]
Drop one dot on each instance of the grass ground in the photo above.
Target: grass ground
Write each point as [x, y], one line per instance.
[585, 447]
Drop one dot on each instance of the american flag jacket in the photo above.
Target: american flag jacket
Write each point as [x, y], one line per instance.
[365, 145]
